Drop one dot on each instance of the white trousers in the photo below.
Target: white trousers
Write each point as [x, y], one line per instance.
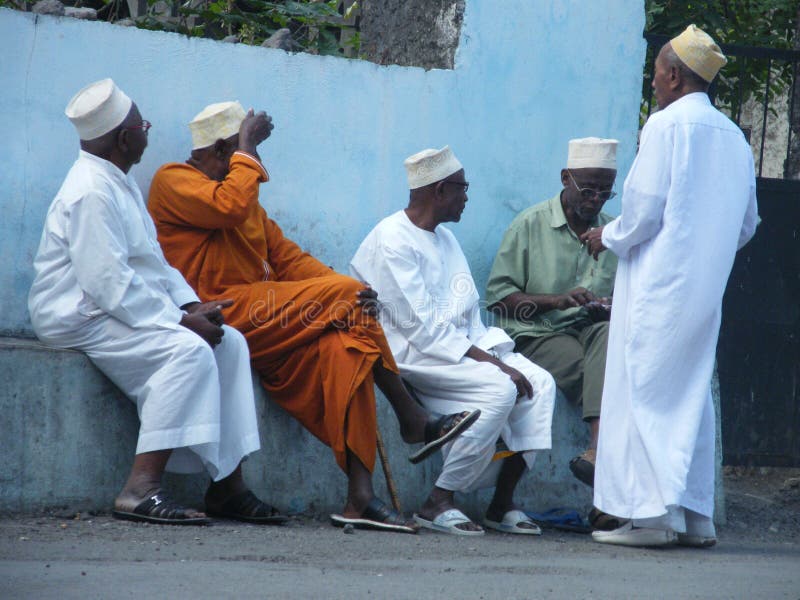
[190, 398]
[524, 424]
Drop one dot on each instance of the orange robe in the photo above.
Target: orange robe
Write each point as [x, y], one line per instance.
[313, 348]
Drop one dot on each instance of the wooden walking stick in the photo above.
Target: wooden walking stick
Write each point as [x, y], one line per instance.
[387, 472]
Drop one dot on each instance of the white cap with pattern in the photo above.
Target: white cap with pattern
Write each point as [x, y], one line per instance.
[97, 109]
[214, 122]
[430, 166]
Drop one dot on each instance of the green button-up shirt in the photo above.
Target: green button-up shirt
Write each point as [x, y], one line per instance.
[540, 254]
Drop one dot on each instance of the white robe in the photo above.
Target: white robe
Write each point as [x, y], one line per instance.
[102, 286]
[688, 205]
[431, 316]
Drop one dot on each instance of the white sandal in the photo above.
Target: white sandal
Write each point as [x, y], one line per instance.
[447, 521]
[511, 523]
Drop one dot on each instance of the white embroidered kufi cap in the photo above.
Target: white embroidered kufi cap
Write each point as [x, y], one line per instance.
[215, 122]
[699, 52]
[592, 153]
[97, 109]
[430, 166]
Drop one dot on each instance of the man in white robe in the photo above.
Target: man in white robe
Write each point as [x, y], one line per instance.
[432, 320]
[688, 205]
[102, 286]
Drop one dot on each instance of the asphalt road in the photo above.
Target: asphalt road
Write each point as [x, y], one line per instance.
[103, 558]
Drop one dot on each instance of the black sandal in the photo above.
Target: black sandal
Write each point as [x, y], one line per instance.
[603, 521]
[246, 507]
[582, 468]
[159, 508]
[376, 516]
[435, 439]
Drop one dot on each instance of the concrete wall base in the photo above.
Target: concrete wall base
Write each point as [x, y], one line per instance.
[69, 436]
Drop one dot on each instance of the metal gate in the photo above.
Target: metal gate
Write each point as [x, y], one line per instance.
[758, 355]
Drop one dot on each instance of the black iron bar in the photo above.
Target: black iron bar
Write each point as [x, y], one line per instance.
[791, 116]
[764, 120]
[742, 63]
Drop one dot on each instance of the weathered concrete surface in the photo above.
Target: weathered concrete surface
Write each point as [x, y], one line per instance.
[47, 558]
[420, 33]
[69, 437]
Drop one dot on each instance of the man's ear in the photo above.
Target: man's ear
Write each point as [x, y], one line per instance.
[220, 148]
[122, 140]
[565, 178]
[675, 77]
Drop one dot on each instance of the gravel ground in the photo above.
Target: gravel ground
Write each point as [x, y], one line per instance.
[93, 556]
[763, 504]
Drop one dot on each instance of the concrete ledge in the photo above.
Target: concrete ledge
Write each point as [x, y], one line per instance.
[69, 436]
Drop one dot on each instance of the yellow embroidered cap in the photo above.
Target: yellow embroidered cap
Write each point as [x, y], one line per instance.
[699, 52]
[214, 122]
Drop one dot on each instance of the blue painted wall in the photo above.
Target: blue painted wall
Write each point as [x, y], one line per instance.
[527, 79]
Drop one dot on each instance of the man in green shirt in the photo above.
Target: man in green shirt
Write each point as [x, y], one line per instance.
[551, 296]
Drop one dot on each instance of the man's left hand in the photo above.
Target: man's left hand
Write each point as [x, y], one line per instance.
[368, 300]
[599, 310]
[210, 310]
[593, 240]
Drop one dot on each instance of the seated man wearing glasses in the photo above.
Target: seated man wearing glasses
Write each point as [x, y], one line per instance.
[102, 286]
[430, 311]
[551, 296]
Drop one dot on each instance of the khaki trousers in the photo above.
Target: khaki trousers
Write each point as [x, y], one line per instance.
[576, 358]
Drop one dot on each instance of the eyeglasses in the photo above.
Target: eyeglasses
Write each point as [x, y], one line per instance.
[145, 126]
[463, 184]
[589, 193]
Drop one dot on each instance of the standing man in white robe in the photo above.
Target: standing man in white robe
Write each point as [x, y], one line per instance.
[688, 205]
[432, 320]
[102, 286]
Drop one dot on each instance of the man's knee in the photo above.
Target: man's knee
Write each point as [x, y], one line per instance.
[596, 337]
[543, 382]
[233, 341]
[342, 294]
[502, 390]
[194, 351]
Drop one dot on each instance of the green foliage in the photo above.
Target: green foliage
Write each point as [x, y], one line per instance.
[315, 26]
[765, 23]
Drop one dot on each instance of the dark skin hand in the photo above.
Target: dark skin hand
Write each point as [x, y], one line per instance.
[593, 240]
[524, 387]
[580, 296]
[597, 309]
[206, 320]
[255, 128]
[368, 300]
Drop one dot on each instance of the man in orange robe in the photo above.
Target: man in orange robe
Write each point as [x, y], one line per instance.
[313, 334]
